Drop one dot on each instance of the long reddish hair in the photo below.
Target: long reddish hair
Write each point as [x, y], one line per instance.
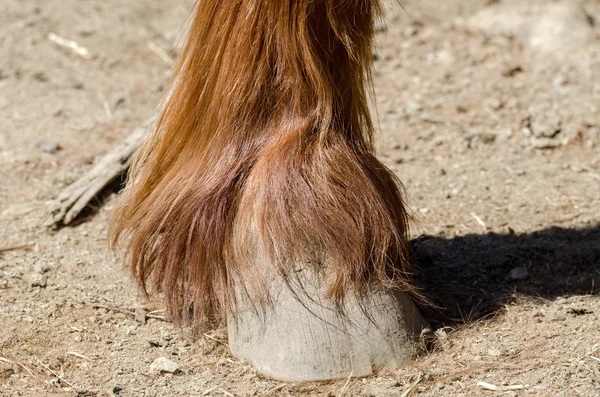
[264, 145]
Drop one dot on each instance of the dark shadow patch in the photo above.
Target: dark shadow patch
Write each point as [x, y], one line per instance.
[469, 277]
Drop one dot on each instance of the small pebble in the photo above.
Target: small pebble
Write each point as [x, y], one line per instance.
[494, 104]
[49, 146]
[494, 352]
[414, 107]
[55, 382]
[141, 315]
[518, 273]
[164, 365]
[42, 268]
[410, 31]
[38, 280]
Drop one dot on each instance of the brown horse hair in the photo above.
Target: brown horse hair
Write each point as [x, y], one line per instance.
[265, 144]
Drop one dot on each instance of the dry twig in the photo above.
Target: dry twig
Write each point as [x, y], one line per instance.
[206, 393]
[78, 355]
[124, 311]
[77, 196]
[277, 388]
[489, 386]
[14, 248]
[408, 392]
[6, 360]
[62, 379]
[162, 54]
[226, 393]
[346, 384]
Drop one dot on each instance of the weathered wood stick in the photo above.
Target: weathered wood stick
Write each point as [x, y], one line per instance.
[77, 196]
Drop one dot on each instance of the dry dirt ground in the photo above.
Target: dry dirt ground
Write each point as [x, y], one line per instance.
[489, 113]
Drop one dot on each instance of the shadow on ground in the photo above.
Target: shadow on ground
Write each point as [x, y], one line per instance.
[468, 277]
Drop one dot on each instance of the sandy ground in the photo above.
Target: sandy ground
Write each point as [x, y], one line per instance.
[496, 137]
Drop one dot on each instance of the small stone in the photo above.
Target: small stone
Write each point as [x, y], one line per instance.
[164, 365]
[55, 382]
[494, 104]
[42, 268]
[480, 135]
[518, 273]
[547, 125]
[512, 71]
[494, 352]
[560, 81]
[410, 31]
[545, 143]
[48, 146]
[141, 315]
[41, 77]
[38, 280]
[414, 107]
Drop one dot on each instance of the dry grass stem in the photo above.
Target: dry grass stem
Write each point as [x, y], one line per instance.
[70, 44]
[480, 221]
[75, 354]
[161, 53]
[15, 248]
[62, 379]
[277, 388]
[489, 386]
[226, 393]
[128, 312]
[345, 387]
[206, 393]
[409, 392]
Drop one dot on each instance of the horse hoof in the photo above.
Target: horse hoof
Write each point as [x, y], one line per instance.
[303, 337]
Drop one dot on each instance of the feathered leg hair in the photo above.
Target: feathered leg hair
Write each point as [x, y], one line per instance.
[264, 145]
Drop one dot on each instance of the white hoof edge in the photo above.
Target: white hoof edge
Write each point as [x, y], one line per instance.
[308, 339]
